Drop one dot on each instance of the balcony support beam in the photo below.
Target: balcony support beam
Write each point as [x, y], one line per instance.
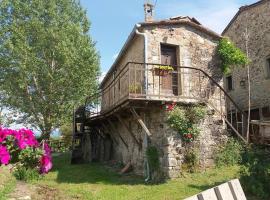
[109, 132]
[114, 129]
[128, 129]
[140, 121]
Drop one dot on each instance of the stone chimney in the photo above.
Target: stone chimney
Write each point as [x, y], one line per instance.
[148, 12]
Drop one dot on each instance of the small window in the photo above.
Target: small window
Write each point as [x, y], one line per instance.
[267, 68]
[229, 83]
[266, 112]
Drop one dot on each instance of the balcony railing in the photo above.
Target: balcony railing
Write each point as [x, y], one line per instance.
[156, 82]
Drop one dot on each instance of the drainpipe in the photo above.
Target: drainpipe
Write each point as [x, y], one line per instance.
[145, 56]
[146, 163]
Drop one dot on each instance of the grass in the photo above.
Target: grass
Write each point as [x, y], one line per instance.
[7, 182]
[97, 182]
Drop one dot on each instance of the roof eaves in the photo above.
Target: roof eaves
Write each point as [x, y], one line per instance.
[175, 22]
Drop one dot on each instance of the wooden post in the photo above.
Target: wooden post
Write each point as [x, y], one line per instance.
[115, 130]
[128, 129]
[107, 129]
[140, 121]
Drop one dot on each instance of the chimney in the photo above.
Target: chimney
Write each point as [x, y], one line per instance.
[148, 12]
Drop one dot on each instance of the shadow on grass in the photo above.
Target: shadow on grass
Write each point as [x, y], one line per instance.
[90, 173]
[206, 186]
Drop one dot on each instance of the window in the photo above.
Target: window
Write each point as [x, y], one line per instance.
[267, 68]
[229, 83]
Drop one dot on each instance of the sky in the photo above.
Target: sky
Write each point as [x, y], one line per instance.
[113, 20]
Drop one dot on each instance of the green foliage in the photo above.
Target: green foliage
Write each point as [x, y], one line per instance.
[48, 61]
[191, 160]
[7, 182]
[135, 88]
[255, 171]
[229, 154]
[230, 55]
[26, 174]
[66, 133]
[164, 67]
[30, 157]
[153, 158]
[184, 119]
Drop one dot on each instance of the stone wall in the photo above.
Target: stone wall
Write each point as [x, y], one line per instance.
[255, 21]
[168, 142]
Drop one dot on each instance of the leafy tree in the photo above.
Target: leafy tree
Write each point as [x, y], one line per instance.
[66, 133]
[48, 61]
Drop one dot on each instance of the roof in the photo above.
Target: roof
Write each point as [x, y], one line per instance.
[178, 20]
[241, 9]
[185, 21]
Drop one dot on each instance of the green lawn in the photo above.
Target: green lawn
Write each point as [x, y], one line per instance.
[7, 182]
[98, 182]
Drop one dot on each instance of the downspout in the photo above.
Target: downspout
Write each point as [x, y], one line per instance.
[146, 162]
[145, 56]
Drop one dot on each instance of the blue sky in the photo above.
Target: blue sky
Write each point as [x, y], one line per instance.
[113, 20]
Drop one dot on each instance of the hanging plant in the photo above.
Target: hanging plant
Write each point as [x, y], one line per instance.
[230, 55]
[162, 70]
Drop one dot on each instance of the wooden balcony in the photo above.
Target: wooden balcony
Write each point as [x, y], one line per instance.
[155, 82]
[142, 85]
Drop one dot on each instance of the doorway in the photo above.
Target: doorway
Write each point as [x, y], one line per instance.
[169, 82]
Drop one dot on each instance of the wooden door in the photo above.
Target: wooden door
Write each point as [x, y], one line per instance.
[169, 82]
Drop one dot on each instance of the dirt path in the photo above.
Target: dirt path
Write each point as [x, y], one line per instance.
[22, 191]
[25, 191]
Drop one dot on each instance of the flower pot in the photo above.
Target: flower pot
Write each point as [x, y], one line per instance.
[161, 72]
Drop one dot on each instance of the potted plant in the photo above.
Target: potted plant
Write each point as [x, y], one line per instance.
[135, 88]
[162, 70]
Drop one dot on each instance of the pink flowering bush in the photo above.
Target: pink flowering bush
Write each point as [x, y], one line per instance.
[20, 148]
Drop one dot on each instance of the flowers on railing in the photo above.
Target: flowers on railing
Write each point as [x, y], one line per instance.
[21, 149]
[163, 70]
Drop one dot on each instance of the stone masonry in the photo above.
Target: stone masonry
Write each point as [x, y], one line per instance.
[196, 47]
[253, 21]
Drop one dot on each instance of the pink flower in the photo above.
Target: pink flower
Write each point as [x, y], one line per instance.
[47, 149]
[4, 155]
[4, 133]
[2, 136]
[46, 164]
[25, 138]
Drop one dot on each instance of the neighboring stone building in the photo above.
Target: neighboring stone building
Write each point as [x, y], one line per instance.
[129, 112]
[252, 21]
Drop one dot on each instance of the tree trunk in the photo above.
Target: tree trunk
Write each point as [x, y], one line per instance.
[45, 135]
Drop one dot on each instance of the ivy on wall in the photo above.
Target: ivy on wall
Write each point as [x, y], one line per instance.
[230, 55]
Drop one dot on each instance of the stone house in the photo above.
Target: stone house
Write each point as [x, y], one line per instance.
[172, 60]
[250, 31]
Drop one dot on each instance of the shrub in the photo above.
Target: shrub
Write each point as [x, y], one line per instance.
[26, 174]
[229, 154]
[156, 174]
[255, 171]
[184, 119]
[21, 149]
[153, 158]
[191, 160]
